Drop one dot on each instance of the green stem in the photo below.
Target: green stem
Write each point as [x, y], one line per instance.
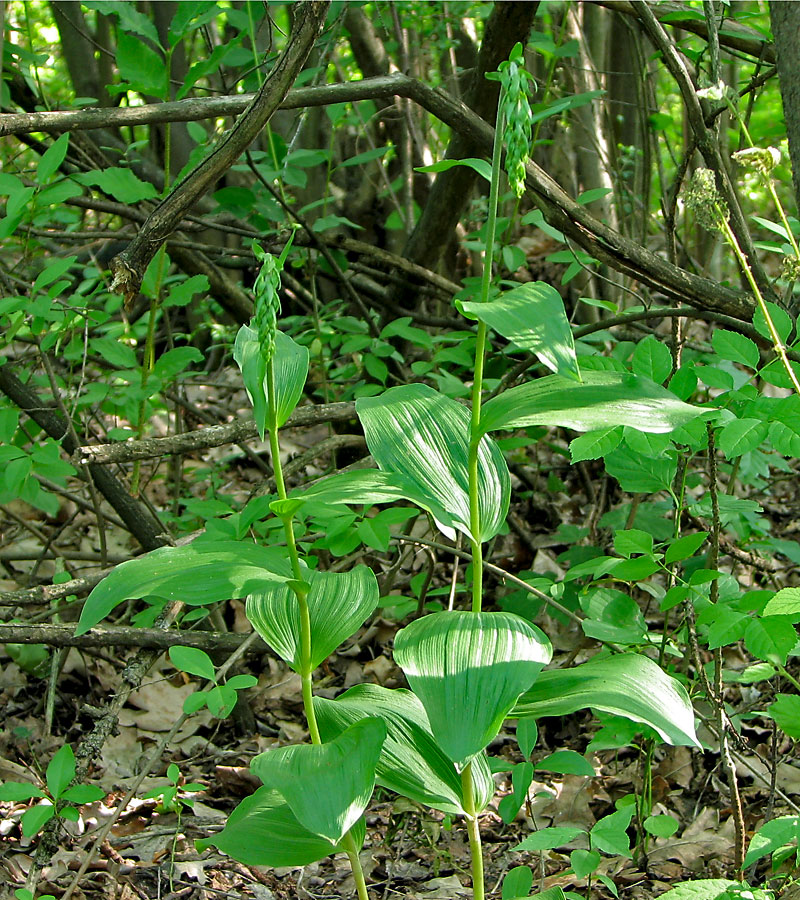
[777, 343]
[300, 592]
[790, 678]
[477, 382]
[474, 832]
[349, 844]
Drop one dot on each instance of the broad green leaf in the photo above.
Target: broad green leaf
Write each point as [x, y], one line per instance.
[740, 436]
[517, 883]
[290, 367]
[735, 347]
[609, 834]
[121, 184]
[549, 838]
[566, 762]
[366, 487]
[780, 319]
[60, 771]
[193, 661]
[53, 271]
[685, 546]
[52, 158]
[423, 436]
[15, 792]
[785, 603]
[633, 540]
[652, 359]
[263, 831]
[190, 14]
[785, 439]
[771, 638]
[468, 669]
[639, 474]
[661, 826]
[83, 793]
[141, 66]
[603, 399]
[626, 685]
[181, 293]
[338, 604]
[481, 166]
[584, 862]
[173, 361]
[36, 818]
[411, 763]
[594, 444]
[786, 713]
[197, 573]
[533, 317]
[703, 888]
[327, 786]
[772, 836]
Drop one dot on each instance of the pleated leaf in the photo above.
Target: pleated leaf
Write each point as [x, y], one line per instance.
[290, 365]
[533, 317]
[263, 831]
[364, 487]
[327, 786]
[602, 400]
[411, 763]
[626, 685]
[197, 573]
[338, 604]
[468, 669]
[423, 436]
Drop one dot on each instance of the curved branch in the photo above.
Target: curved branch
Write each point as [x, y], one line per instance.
[129, 266]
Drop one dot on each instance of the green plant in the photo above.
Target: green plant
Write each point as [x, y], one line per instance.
[468, 670]
[59, 798]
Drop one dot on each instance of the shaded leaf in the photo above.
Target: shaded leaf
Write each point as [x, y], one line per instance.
[338, 604]
[263, 831]
[327, 786]
[411, 762]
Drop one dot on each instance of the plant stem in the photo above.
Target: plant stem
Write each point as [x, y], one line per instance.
[477, 381]
[300, 592]
[349, 844]
[777, 343]
[474, 832]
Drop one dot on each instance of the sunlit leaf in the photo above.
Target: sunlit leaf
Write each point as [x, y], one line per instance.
[533, 317]
[198, 573]
[626, 685]
[327, 786]
[468, 669]
[423, 436]
[411, 763]
[604, 399]
[338, 604]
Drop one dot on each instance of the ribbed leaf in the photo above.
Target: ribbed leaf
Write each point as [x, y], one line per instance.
[263, 831]
[533, 317]
[327, 786]
[338, 604]
[290, 365]
[468, 669]
[627, 685]
[411, 762]
[604, 399]
[423, 436]
[366, 487]
[198, 573]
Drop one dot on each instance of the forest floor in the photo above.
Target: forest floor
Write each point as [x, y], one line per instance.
[150, 853]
